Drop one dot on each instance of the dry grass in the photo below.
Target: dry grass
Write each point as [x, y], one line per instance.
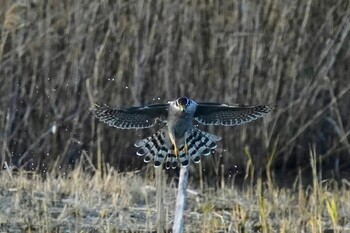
[54, 55]
[77, 202]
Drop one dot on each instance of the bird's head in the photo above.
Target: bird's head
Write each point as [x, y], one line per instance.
[184, 104]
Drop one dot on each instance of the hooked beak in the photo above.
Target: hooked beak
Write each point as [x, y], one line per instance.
[182, 108]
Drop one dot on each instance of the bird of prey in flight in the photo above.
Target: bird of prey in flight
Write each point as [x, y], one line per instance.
[179, 141]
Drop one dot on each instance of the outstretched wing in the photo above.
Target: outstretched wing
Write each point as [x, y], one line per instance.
[131, 118]
[222, 114]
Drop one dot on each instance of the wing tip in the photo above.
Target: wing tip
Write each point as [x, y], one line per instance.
[268, 108]
[96, 108]
[264, 108]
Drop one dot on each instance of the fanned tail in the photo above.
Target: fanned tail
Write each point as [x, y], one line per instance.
[155, 147]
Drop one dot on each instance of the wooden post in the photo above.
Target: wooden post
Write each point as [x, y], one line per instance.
[181, 201]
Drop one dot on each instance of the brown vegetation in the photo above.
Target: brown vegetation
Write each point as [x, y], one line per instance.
[126, 202]
[291, 54]
[55, 55]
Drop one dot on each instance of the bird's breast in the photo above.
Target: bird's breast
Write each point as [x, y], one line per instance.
[180, 126]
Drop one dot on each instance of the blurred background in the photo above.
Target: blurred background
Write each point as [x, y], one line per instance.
[58, 56]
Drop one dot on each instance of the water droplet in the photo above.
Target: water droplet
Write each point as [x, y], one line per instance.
[54, 129]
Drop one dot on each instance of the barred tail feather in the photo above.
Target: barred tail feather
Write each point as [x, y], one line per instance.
[201, 143]
[171, 161]
[183, 157]
[153, 147]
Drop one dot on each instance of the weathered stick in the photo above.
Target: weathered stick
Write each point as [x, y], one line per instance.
[181, 201]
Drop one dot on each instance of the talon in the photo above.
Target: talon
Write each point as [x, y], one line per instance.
[176, 151]
[185, 149]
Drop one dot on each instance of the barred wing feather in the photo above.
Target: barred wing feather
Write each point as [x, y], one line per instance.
[131, 118]
[222, 114]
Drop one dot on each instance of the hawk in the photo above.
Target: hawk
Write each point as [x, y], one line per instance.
[179, 141]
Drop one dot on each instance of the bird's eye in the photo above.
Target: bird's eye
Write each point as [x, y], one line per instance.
[182, 101]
